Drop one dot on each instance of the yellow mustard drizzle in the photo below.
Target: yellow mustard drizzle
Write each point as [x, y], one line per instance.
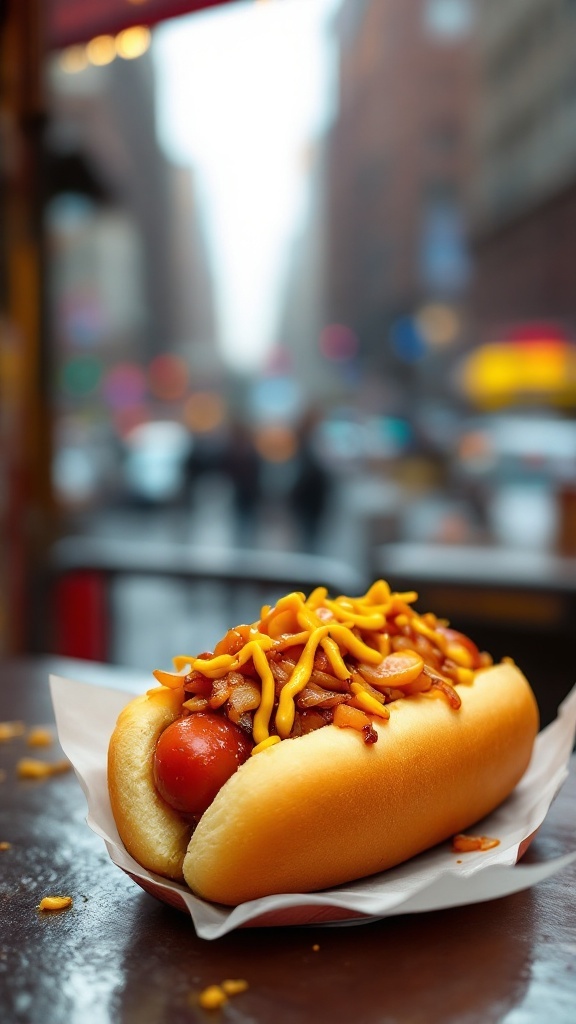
[300, 676]
[343, 614]
[337, 664]
[260, 729]
[343, 635]
[335, 630]
[270, 741]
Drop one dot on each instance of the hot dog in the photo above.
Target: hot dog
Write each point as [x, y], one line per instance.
[329, 740]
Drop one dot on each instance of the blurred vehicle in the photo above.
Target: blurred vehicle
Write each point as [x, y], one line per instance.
[349, 440]
[514, 465]
[155, 459]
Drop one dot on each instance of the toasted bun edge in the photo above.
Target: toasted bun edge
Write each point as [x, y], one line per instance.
[152, 832]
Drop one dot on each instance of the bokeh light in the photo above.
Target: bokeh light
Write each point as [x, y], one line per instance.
[338, 342]
[73, 59]
[204, 411]
[124, 385]
[406, 340]
[101, 50]
[80, 376]
[439, 324]
[168, 378]
[276, 443]
[133, 42]
[275, 398]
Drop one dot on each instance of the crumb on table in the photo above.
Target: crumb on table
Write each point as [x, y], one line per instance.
[214, 996]
[9, 730]
[55, 903]
[32, 768]
[40, 736]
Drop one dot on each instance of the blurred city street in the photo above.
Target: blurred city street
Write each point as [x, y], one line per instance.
[180, 623]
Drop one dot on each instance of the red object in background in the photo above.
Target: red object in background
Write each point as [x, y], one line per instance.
[76, 21]
[537, 333]
[80, 617]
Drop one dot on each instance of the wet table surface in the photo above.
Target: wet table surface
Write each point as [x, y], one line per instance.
[118, 956]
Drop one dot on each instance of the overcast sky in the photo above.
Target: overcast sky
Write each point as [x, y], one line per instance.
[241, 92]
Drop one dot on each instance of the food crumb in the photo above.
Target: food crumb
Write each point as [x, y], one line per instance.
[8, 730]
[234, 986]
[213, 997]
[39, 736]
[55, 903]
[5, 846]
[31, 768]
[468, 844]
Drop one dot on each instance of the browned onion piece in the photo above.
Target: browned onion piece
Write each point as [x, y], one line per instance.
[195, 682]
[316, 696]
[309, 720]
[245, 696]
[282, 668]
[438, 683]
[397, 669]
[221, 690]
[329, 682]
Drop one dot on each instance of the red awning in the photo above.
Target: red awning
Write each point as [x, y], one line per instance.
[77, 21]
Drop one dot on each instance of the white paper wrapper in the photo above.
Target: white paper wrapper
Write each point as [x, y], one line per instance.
[85, 718]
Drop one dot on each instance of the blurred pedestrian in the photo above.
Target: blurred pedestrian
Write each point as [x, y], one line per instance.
[241, 464]
[310, 494]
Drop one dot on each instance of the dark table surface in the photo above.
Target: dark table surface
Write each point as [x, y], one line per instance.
[118, 956]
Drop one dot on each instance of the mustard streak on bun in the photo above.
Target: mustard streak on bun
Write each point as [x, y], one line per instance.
[329, 740]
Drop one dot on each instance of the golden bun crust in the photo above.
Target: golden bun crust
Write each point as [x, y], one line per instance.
[324, 809]
[152, 832]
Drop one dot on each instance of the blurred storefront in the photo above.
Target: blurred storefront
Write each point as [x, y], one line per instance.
[71, 22]
[38, 449]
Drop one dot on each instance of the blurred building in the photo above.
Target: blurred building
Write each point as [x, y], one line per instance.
[103, 118]
[399, 165]
[131, 316]
[304, 312]
[523, 191]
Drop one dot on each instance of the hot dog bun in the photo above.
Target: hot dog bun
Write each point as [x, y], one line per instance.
[325, 808]
[154, 834]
